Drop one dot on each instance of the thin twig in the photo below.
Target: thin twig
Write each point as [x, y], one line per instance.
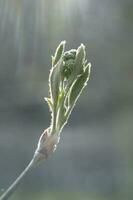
[17, 182]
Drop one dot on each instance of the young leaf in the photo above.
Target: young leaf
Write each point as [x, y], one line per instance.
[80, 58]
[78, 86]
[78, 65]
[58, 53]
[55, 80]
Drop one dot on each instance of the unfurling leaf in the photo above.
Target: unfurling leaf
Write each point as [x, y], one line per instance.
[80, 58]
[55, 81]
[78, 86]
[58, 53]
[78, 64]
[68, 76]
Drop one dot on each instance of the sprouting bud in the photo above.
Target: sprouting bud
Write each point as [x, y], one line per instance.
[68, 76]
[73, 51]
[69, 62]
[68, 68]
[69, 55]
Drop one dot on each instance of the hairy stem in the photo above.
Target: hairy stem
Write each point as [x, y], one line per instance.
[17, 182]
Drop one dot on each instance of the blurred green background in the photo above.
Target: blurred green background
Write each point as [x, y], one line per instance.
[94, 160]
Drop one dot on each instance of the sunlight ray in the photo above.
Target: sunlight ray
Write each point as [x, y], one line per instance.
[4, 16]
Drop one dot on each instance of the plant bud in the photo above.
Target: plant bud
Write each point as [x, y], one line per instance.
[47, 144]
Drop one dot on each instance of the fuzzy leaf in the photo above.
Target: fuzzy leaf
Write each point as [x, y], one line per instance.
[78, 66]
[80, 58]
[78, 86]
[55, 81]
[58, 53]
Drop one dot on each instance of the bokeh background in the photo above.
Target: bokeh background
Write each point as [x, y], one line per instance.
[94, 160]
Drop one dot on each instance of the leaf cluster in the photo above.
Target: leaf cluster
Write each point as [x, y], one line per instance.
[68, 76]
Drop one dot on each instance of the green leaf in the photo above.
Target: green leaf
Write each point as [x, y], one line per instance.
[78, 86]
[78, 66]
[68, 77]
[58, 53]
[55, 81]
[80, 58]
